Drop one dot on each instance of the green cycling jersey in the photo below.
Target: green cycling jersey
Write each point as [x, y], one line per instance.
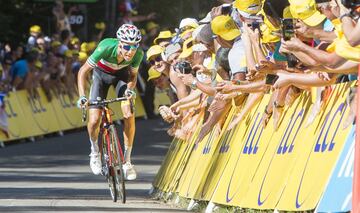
[105, 57]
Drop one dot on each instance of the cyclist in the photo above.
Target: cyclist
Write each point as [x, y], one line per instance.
[115, 61]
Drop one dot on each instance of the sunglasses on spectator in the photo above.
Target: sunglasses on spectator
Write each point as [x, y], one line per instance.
[185, 28]
[156, 59]
[129, 47]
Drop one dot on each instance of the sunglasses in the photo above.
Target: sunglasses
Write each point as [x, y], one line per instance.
[128, 47]
[185, 28]
[157, 59]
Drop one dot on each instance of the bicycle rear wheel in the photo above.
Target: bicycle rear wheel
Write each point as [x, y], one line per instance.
[108, 169]
[118, 160]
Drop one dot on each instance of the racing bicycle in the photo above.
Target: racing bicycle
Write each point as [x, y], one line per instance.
[112, 158]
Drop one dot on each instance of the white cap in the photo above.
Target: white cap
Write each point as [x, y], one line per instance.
[199, 47]
[196, 32]
[206, 20]
[169, 50]
[188, 22]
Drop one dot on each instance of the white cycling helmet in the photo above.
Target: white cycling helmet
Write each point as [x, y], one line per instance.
[129, 33]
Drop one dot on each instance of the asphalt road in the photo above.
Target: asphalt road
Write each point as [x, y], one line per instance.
[53, 174]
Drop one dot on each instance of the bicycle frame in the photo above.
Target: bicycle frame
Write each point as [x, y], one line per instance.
[106, 122]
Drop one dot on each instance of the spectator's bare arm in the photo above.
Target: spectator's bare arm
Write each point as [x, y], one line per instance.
[303, 80]
[181, 90]
[350, 28]
[331, 60]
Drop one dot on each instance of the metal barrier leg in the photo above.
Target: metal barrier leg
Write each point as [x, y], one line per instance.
[193, 204]
[210, 207]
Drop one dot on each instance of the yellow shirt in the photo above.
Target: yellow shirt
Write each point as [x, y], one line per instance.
[341, 46]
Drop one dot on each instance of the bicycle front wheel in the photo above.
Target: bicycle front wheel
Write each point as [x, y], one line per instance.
[118, 160]
[108, 169]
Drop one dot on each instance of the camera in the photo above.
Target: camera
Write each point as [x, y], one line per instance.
[226, 9]
[351, 4]
[288, 31]
[255, 25]
[184, 67]
[287, 27]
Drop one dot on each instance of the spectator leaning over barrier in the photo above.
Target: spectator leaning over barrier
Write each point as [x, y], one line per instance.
[226, 31]
[170, 57]
[20, 69]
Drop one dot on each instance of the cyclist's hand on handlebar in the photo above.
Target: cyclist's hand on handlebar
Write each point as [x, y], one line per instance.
[82, 102]
[130, 93]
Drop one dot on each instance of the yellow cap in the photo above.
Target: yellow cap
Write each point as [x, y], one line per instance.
[153, 73]
[151, 25]
[100, 25]
[84, 47]
[91, 46]
[68, 53]
[74, 40]
[267, 30]
[287, 13]
[248, 6]
[55, 44]
[163, 35]
[154, 50]
[306, 11]
[225, 27]
[83, 56]
[75, 52]
[187, 48]
[38, 64]
[35, 29]
[143, 31]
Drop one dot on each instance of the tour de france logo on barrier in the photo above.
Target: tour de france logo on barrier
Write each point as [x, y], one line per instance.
[67, 108]
[209, 142]
[250, 148]
[37, 109]
[224, 148]
[226, 139]
[322, 145]
[286, 146]
[12, 114]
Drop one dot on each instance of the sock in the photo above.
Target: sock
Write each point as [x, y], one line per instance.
[94, 146]
[127, 153]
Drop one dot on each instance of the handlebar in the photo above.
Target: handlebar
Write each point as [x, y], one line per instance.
[104, 103]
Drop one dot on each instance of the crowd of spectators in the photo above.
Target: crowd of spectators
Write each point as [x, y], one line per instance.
[240, 51]
[243, 50]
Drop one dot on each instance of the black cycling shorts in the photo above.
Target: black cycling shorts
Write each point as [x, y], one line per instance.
[103, 80]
